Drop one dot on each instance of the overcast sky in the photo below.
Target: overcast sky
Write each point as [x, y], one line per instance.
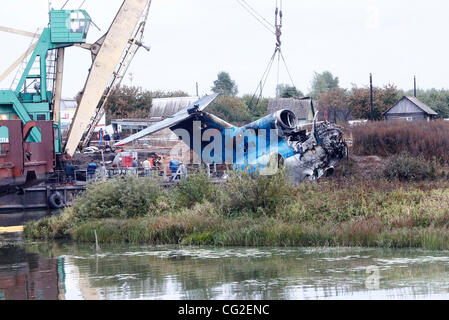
[192, 40]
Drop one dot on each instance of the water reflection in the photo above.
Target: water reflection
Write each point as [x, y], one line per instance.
[67, 271]
[28, 276]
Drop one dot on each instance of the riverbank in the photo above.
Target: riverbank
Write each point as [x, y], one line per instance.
[349, 210]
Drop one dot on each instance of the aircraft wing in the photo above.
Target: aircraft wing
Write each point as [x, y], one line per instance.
[182, 115]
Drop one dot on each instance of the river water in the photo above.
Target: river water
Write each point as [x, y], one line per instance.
[71, 271]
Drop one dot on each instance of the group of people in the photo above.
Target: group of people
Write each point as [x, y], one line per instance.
[149, 164]
[71, 169]
[104, 136]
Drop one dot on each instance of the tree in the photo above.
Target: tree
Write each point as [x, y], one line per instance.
[225, 85]
[287, 91]
[133, 102]
[230, 109]
[335, 102]
[384, 98]
[256, 110]
[128, 102]
[438, 100]
[323, 82]
[169, 94]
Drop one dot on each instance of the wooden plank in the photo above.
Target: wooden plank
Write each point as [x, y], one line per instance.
[20, 32]
[15, 229]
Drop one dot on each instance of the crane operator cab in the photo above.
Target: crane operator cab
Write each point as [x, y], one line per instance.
[69, 26]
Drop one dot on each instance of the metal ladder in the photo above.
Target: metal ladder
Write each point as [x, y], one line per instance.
[52, 61]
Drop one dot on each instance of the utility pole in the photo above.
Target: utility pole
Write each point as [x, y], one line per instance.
[415, 88]
[197, 90]
[371, 96]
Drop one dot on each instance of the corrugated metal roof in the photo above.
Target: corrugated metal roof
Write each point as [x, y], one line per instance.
[166, 107]
[301, 107]
[68, 104]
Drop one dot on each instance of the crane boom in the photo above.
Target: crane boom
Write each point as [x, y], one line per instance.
[104, 65]
[130, 52]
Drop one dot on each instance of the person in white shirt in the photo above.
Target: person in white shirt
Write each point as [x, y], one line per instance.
[146, 167]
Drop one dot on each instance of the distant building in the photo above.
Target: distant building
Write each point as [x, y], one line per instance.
[166, 107]
[410, 109]
[68, 110]
[303, 108]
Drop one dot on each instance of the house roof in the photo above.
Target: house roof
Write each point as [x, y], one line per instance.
[69, 104]
[301, 107]
[417, 103]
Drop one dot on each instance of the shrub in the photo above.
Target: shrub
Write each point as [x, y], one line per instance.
[122, 198]
[408, 168]
[195, 189]
[255, 193]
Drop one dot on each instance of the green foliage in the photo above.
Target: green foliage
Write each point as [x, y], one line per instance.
[254, 210]
[408, 168]
[127, 102]
[287, 91]
[194, 189]
[255, 193]
[230, 109]
[323, 82]
[256, 110]
[225, 85]
[121, 197]
[134, 102]
[438, 100]
[384, 98]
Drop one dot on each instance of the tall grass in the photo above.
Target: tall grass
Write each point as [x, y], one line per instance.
[427, 139]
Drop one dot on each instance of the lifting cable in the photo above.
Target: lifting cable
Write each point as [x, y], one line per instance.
[263, 81]
[65, 4]
[278, 52]
[257, 16]
[82, 4]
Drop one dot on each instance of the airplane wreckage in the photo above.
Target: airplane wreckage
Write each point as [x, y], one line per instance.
[274, 140]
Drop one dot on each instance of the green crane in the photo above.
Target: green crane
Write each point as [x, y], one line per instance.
[37, 94]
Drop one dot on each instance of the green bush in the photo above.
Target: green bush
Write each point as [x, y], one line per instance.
[194, 189]
[255, 193]
[128, 197]
[405, 167]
